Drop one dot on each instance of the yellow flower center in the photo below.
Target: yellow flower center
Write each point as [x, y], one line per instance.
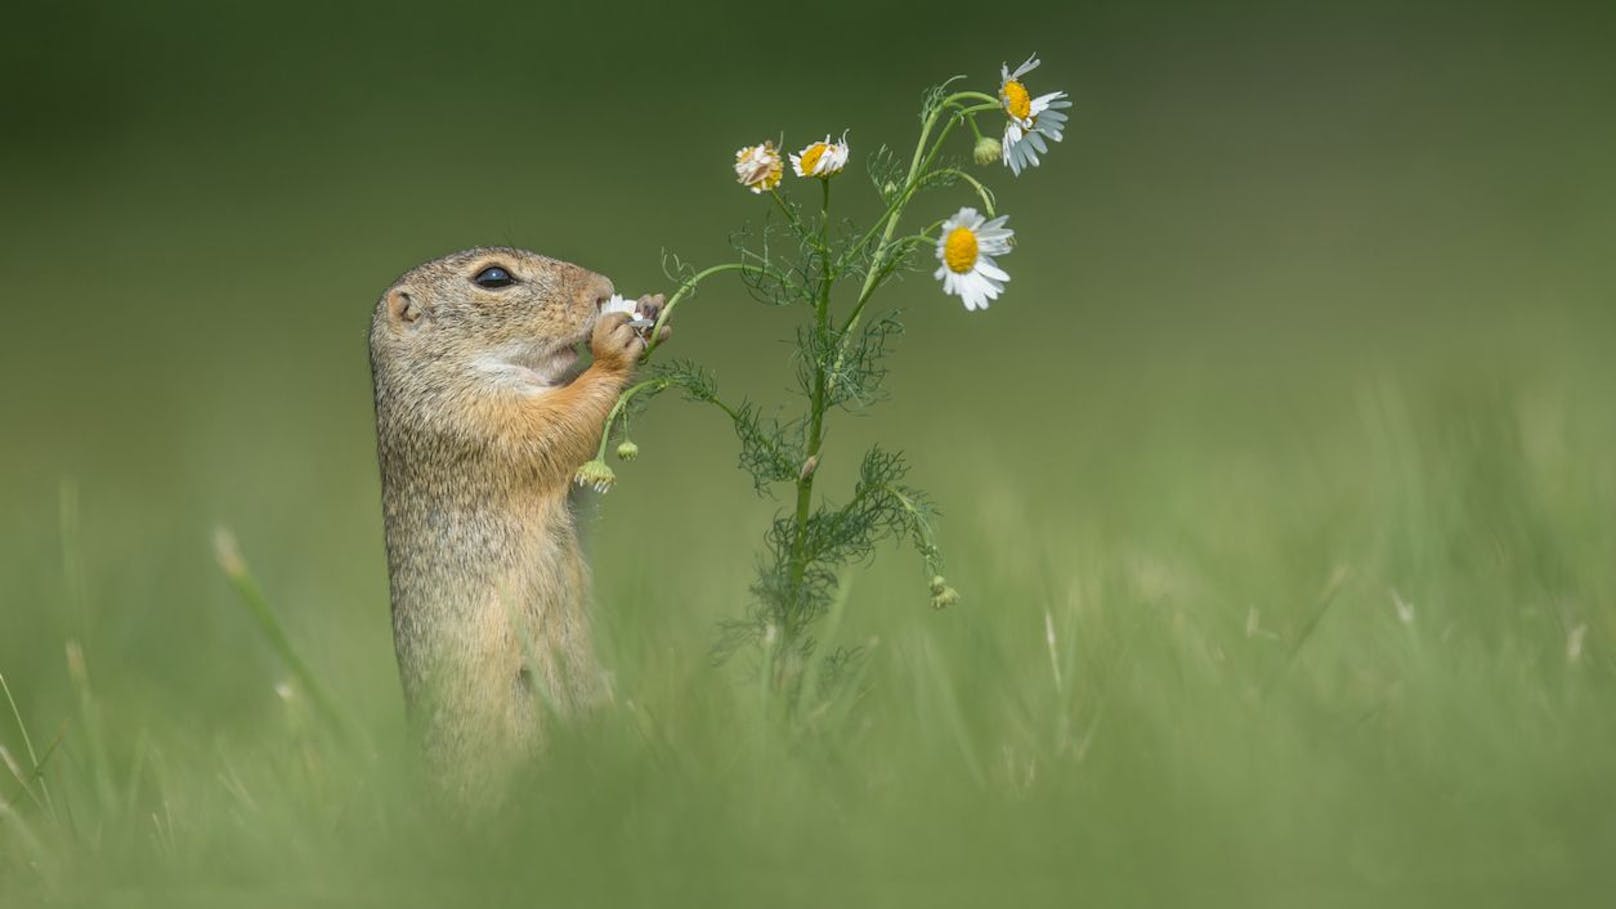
[959, 250]
[811, 156]
[1016, 100]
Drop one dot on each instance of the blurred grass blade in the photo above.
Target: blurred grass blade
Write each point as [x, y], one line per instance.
[940, 682]
[24, 833]
[90, 717]
[228, 555]
[28, 743]
[23, 778]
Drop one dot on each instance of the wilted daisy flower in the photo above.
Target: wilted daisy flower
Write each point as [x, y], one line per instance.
[596, 475]
[1031, 119]
[758, 167]
[966, 249]
[821, 159]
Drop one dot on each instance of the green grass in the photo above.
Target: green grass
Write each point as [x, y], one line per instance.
[1344, 642]
[1279, 488]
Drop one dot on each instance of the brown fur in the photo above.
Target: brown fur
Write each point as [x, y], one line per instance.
[480, 427]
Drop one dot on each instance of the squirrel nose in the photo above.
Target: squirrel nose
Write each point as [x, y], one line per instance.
[600, 291]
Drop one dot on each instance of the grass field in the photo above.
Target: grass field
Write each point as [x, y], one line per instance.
[1253, 645]
[1279, 489]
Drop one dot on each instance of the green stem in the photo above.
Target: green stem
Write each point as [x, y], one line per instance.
[816, 428]
[623, 397]
[991, 100]
[975, 130]
[791, 216]
[684, 291]
[922, 159]
[982, 192]
[679, 295]
[960, 115]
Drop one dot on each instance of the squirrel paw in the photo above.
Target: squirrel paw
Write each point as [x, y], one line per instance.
[650, 307]
[615, 342]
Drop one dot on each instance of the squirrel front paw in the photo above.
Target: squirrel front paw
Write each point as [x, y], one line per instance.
[620, 338]
[615, 343]
[649, 307]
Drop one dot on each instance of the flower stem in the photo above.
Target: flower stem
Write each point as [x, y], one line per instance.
[659, 383]
[917, 163]
[684, 291]
[816, 431]
[982, 192]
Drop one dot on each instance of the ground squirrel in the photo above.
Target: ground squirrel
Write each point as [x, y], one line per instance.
[481, 420]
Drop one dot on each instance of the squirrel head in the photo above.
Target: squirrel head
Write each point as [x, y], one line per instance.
[492, 314]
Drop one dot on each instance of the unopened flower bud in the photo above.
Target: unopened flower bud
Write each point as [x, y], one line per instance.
[987, 151]
[627, 450]
[596, 475]
[942, 595]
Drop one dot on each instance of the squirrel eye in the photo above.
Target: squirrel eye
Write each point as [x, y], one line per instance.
[493, 276]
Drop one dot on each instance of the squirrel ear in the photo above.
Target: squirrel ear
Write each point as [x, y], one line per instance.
[403, 308]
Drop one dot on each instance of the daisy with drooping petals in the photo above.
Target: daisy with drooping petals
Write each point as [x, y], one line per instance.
[596, 475]
[1032, 120]
[966, 249]
[758, 167]
[821, 159]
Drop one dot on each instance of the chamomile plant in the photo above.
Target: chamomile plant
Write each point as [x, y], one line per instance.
[829, 272]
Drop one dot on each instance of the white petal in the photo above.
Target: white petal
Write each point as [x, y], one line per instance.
[989, 268]
[998, 246]
[1053, 118]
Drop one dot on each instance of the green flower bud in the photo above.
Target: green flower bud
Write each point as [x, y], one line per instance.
[627, 450]
[596, 475]
[942, 595]
[988, 151]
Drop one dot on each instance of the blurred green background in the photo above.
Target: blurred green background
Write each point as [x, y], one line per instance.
[1311, 315]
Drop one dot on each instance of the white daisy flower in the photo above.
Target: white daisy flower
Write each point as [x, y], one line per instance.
[966, 249]
[821, 159]
[618, 304]
[758, 167]
[1032, 120]
[639, 320]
